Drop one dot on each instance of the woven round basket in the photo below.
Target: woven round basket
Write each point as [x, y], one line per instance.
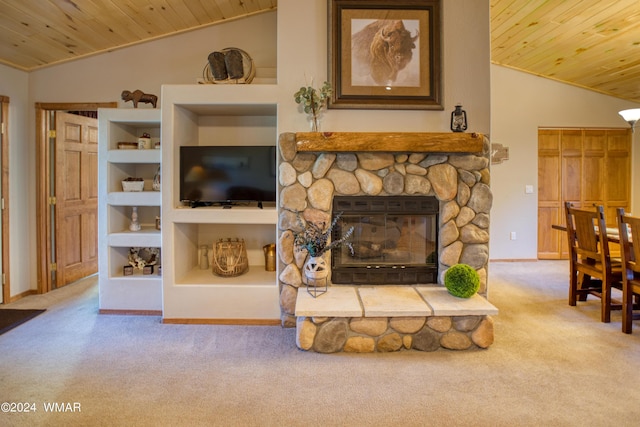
[229, 258]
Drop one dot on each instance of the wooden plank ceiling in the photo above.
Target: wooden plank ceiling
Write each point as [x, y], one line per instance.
[593, 44]
[37, 33]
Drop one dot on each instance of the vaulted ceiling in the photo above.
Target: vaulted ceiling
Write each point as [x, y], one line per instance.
[594, 44]
[37, 33]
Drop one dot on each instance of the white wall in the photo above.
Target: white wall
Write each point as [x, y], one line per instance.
[102, 78]
[178, 59]
[302, 55]
[15, 85]
[520, 103]
[301, 52]
[298, 47]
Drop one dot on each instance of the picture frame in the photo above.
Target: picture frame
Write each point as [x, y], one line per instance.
[385, 54]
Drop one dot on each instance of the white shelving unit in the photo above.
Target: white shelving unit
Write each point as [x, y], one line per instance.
[216, 115]
[136, 293]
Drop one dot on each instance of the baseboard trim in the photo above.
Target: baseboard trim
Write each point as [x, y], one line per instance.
[22, 295]
[252, 322]
[515, 260]
[131, 312]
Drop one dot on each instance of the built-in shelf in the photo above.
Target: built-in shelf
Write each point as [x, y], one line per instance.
[133, 156]
[135, 293]
[220, 215]
[206, 115]
[134, 198]
[431, 142]
[147, 237]
[256, 276]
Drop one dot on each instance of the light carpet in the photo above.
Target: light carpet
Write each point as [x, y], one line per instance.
[551, 364]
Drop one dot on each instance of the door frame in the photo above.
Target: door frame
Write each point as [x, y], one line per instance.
[4, 165]
[44, 228]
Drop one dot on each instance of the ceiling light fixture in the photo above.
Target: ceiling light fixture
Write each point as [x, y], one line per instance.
[631, 116]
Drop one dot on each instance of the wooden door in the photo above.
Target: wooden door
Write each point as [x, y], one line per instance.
[617, 180]
[76, 207]
[586, 167]
[550, 243]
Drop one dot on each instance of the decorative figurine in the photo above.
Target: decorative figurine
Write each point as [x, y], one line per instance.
[139, 96]
[135, 225]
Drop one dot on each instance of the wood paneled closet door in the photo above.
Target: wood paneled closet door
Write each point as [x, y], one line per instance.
[76, 206]
[586, 167]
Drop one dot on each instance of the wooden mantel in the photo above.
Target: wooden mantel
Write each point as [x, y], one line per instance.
[431, 142]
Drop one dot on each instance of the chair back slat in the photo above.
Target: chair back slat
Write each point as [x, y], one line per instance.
[590, 258]
[587, 233]
[629, 230]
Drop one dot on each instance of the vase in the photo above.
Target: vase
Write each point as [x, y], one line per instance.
[315, 122]
[204, 257]
[156, 180]
[135, 224]
[316, 268]
[316, 271]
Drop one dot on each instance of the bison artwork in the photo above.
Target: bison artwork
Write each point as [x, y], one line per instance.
[381, 50]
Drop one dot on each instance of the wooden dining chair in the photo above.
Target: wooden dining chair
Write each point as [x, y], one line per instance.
[629, 230]
[589, 259]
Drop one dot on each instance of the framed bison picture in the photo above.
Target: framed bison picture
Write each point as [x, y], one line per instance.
[385, 54]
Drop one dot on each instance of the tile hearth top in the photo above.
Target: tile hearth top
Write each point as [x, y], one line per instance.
[390, 301]
[445, 304]
[338, 301]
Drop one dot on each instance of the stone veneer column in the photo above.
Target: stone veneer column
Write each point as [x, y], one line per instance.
[307, 183]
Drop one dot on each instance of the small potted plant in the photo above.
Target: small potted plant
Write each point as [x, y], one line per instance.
[315, 240]
[313, 101]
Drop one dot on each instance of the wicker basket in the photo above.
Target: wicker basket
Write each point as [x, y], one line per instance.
[230, 258]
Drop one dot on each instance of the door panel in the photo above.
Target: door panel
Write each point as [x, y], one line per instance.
[586, 167]
[549, 190]
[592, 179]
[549, 243]
[571, 174]
[76, 198]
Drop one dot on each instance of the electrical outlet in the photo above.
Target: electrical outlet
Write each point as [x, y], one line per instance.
[513, 235]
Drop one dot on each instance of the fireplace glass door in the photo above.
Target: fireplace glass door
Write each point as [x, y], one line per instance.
[394, 241]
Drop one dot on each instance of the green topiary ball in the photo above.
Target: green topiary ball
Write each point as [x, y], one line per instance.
[462, 280]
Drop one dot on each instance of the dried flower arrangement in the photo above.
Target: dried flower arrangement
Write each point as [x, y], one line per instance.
[314, 239]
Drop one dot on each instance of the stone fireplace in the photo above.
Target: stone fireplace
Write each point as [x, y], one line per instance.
[441, 182]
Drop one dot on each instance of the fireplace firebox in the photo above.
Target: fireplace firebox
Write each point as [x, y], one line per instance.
[395, 240]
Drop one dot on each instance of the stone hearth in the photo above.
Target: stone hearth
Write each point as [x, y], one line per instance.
[315, 167]
[390, 318]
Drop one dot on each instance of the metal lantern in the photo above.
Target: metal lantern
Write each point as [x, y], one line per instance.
[458, 119]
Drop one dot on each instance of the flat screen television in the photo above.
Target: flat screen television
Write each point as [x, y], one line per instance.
[227, 175]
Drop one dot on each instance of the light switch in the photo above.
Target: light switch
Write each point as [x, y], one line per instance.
[528, 189]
